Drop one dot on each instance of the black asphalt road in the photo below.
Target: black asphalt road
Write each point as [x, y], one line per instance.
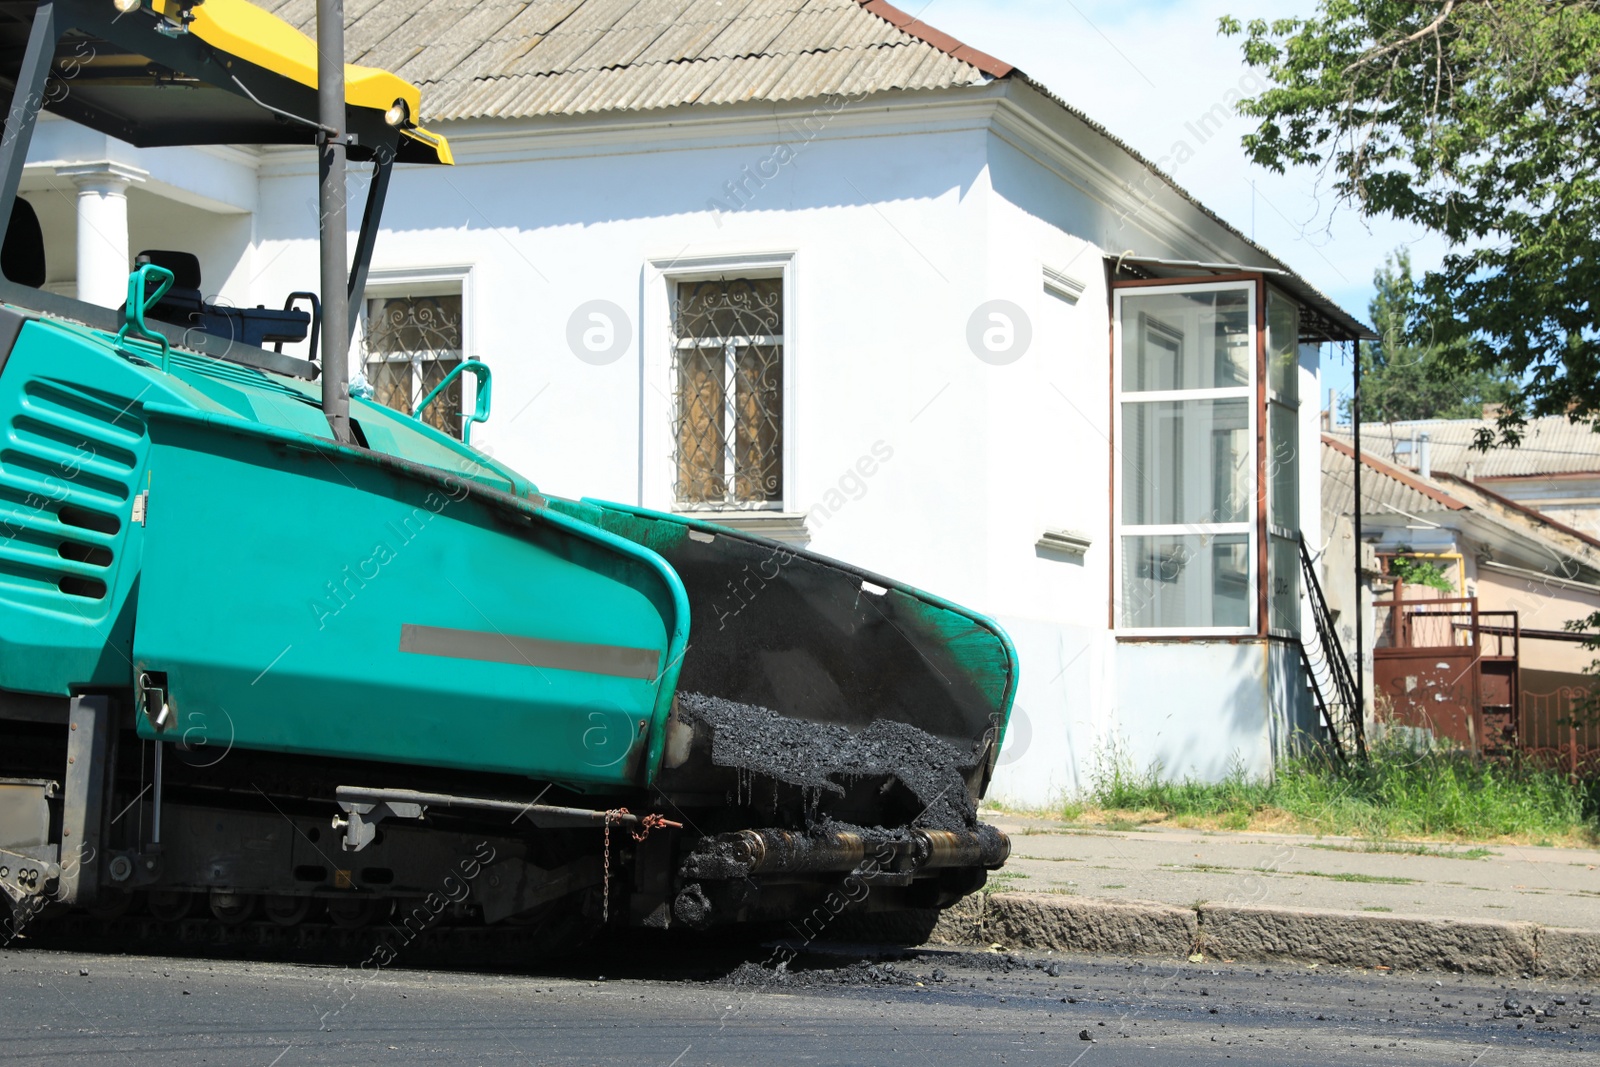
[677, 1005]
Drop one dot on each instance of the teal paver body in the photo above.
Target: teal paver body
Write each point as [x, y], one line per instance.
[194, 532]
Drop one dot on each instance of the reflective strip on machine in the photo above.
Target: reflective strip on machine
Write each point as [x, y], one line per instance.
[494, 647]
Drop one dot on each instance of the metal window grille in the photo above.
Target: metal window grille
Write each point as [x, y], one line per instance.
[727, 347]
[412, 342]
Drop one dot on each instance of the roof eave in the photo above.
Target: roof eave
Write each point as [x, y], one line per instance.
[1340, 324]
[1327, 321]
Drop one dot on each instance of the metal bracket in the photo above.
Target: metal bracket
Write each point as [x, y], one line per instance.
[83, 798]
[360, 821]
[153, 698]
[169, 26]
[28, 872]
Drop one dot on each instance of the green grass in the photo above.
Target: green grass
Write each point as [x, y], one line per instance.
[1346, 876]
[1399, 793]
[1409, 848]
[1001, 881]
[1339, 876]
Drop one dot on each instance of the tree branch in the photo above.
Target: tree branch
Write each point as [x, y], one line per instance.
[1432, 27]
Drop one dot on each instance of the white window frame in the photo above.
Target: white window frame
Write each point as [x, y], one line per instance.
[1271, 398]
[447, 280]
[658, 396]
[1123, 530]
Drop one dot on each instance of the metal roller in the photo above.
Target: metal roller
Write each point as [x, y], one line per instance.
[771, 851]
[942, 848]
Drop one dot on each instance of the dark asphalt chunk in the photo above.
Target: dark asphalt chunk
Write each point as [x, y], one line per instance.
[821, 756]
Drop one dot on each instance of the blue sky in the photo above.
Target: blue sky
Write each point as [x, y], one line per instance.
[1144, 68]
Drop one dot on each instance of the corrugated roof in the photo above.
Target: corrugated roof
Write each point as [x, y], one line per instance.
[526, 58]
[1387, 491]
[1384, 489]
[1550, 445]
[476, 59]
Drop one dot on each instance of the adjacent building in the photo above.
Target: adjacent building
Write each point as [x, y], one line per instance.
[1555, 469]
[1475, 649]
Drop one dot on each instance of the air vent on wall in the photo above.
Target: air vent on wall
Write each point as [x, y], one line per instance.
[1061, 284]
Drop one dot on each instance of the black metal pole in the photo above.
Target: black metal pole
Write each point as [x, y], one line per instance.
[25, 104]
[1355, 423]
[376, 193]
[331, 211]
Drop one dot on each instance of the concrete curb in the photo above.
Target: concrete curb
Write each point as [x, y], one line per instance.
[1258, 934]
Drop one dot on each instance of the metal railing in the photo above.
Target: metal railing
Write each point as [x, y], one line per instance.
[1452, 668]
[1561, 730]
[1448, 622]
[1333, 683]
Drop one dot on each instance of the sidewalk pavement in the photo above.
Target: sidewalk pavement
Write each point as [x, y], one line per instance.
[1497, 909]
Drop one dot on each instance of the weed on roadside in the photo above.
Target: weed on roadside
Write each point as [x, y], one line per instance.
[1408, 848]
[1399, 794]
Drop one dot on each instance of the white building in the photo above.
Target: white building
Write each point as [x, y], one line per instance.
[838, 278]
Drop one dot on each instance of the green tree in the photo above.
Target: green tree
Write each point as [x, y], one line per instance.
[1477, 120]
[1414, 570]
[1403, 377]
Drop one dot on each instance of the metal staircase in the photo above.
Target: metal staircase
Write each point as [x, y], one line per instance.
[1333, 684]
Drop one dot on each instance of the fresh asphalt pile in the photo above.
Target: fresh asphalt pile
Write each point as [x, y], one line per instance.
[822, 756]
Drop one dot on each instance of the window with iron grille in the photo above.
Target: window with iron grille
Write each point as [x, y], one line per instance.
[727, 372]
[411, 343]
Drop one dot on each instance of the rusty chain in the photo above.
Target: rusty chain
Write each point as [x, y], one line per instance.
[647, 823]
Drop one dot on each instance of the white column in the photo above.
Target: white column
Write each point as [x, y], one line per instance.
[103, 256]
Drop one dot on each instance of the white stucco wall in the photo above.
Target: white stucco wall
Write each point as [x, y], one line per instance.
[1193, 710]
